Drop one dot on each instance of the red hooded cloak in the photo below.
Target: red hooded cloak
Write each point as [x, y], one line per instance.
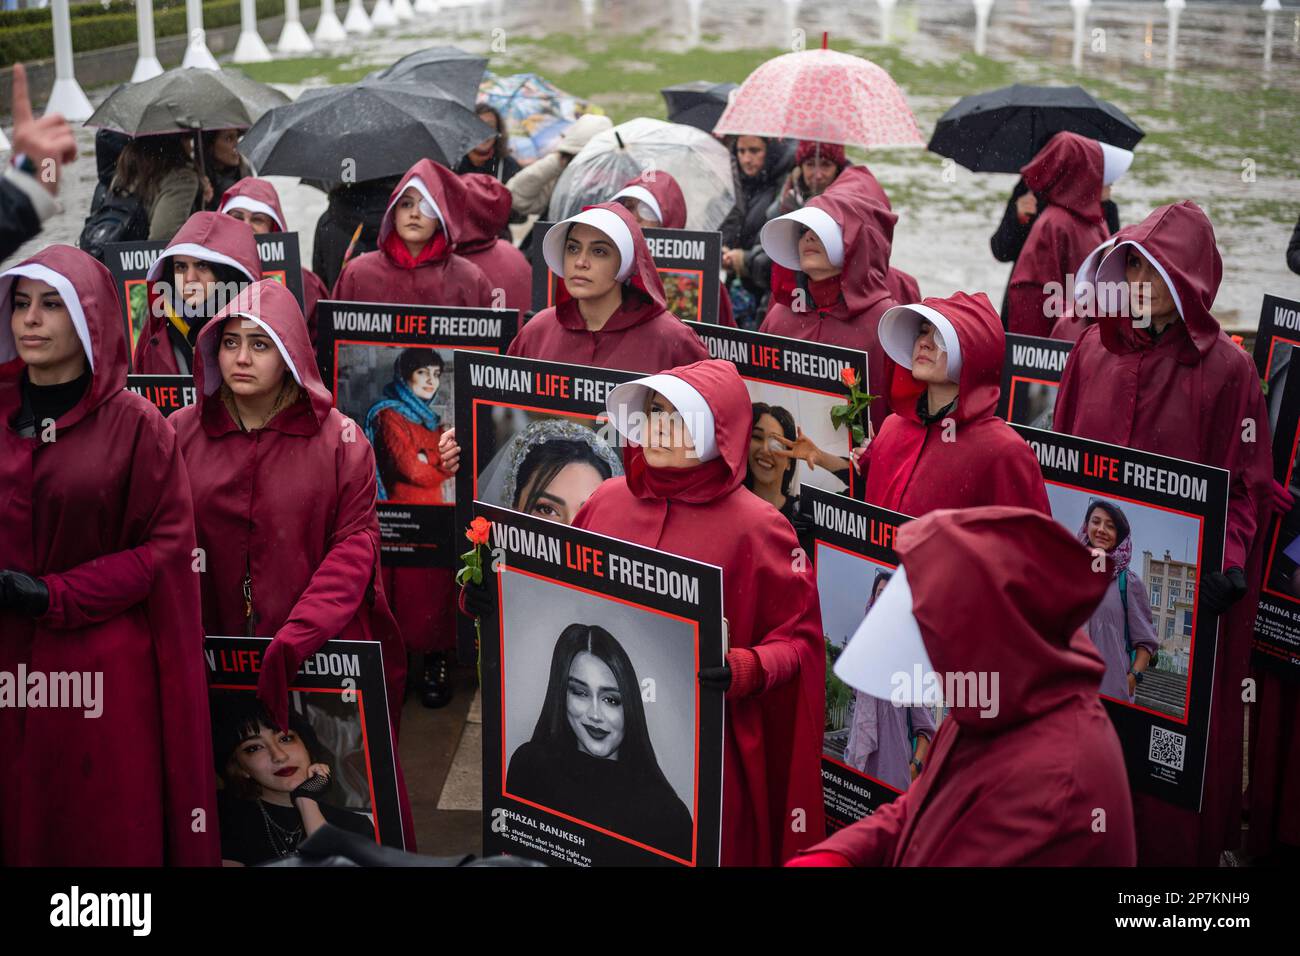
[847, 309]
[1067, 172]
[487, 210]
[773, 743]
[910, 467]
[261, 192]
[1022, 786]
[104, 517]
[1188, 394]
[641, 335]
[438, 276]
[206, 235]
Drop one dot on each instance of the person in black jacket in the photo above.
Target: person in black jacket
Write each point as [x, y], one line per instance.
[350, 205]
[1293, 250]
[760, 165]
[492, 156]
[41, 147]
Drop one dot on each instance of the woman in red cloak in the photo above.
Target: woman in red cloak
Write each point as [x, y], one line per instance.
[415, 263]
[655, 201]
[610, 308]
[1169, 381]
[683, 493]
[1068, 174]
[284, 493]
[946, 448]
[1023, 775]
[209, 259]
[96, 548]
[256, 202]
[838, 246]
[487, 211]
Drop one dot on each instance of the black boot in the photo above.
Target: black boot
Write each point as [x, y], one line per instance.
[435, 682]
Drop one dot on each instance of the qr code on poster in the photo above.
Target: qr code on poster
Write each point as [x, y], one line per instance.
[1167, 748]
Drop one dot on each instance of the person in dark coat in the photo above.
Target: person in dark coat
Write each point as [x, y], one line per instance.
[761, 166]
[1293, 250]
[350, 205]
[492, 156]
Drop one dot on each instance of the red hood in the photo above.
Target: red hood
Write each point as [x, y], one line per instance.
[487, 210]
[728, 400]
[1181, 239]
[667, 194]
[983, 348]
[277, 309]
[447, 191]
[1067, 172]
[853, 201]
[644, 276]
[1018, 616]
[216, 238]
[96, 294]
[260, 191]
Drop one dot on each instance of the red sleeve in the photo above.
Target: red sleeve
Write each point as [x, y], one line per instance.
[1017, 478]
[100, 589]
[1251, 468]
[402, 442]
[788, 623]
[873, 840]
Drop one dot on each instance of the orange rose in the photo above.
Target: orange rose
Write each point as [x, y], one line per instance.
[849, 377]
[478, 530]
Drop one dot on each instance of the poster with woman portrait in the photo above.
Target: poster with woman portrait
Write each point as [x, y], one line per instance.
[534, 438]
[333, 764]
[392, 371]
[167, 392]
[871, 748]
[689, 264]
[1155, 526]
[795, 442]
[129, 264]
[600, 747]
[1031, 377]
[1277, 623]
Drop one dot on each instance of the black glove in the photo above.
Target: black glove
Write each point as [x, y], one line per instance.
[715, 678]
[480, 600]
[312, 788]
[1222, 589]
[23, 593]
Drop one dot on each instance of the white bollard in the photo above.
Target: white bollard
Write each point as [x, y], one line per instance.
[426, 7]
[293, 35]
[1175, 7]
[357, 20]
[1080, 27]
[66, 97]
[197, 54]
[328, 28]
[1270, 8]
[886, 16]
[982, 10]
[250, 48]
[4, 141]
[382, 16]
[403, 10]
[146, 64]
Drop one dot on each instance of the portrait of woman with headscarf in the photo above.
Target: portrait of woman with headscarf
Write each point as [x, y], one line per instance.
[404, 430]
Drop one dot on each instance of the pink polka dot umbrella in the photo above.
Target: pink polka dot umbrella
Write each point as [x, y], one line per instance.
[825, 96]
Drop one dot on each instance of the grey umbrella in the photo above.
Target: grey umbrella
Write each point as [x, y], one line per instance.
[361, 131]
[453, 73]
[186, 100]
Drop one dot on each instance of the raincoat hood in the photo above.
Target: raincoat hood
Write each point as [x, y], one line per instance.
[213, 237]
[487, 210]
[1179, 241]
[274, 308]
[720, 385]
[644, 276]
[254, 195]
[663, 194]
[440, 187]
[1068, 173]
[1005, 591]
[90, 295]
[867, 227]
[981, 345]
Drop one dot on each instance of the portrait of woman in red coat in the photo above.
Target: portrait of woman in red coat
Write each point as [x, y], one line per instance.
[405, 431]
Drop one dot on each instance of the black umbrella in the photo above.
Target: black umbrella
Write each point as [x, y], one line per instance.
[186, 99]
[455, 73]
[698, 103]
[1002, 130]
[365, 130]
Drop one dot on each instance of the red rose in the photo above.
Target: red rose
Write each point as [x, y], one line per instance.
[478, 530]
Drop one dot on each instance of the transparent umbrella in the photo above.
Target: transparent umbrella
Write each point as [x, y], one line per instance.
[700, 164]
